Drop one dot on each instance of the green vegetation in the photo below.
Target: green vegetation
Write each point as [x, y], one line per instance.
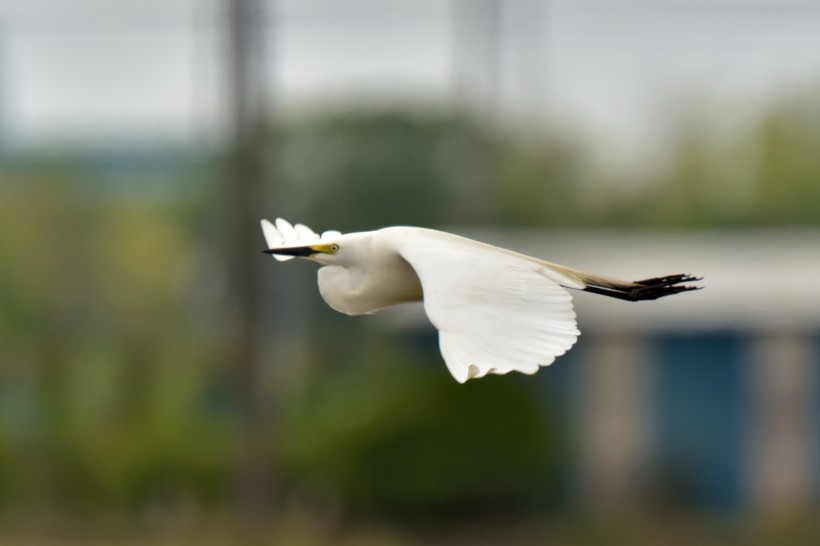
[115, 390]
[400, 441]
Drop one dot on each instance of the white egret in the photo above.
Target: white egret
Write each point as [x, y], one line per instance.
[496, 310]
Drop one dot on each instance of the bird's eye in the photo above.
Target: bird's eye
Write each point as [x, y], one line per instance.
[334, 248]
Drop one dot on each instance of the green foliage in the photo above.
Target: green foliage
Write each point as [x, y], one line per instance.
[541, 182]
[357, 170]
[104, 371]
[788, 189]
[765, 176]
[395, 439]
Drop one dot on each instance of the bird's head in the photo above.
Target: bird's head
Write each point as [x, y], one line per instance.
[325, 252]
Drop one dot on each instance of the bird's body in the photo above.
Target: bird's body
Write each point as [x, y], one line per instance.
[496, 310]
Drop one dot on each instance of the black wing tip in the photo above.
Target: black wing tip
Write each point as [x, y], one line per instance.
[648, 289]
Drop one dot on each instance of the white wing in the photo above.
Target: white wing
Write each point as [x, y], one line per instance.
[284, 234]
[496, 312]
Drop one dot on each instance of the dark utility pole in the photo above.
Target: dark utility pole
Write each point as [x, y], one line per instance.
[476, 90]
[246, 183]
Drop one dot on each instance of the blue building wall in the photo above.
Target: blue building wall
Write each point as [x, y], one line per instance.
[699, 399]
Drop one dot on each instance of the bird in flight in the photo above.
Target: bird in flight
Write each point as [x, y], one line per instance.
[496, 310]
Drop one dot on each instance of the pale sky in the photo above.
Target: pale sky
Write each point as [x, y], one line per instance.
[617, 71]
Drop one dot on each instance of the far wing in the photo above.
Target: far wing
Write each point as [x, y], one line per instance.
[495, 312]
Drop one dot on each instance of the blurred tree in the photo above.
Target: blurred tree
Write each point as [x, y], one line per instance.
[542, 182]
[363, 170]
[356, 171]
[788, 166]
[765, 176]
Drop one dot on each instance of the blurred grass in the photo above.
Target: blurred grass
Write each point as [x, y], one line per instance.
[567, 531]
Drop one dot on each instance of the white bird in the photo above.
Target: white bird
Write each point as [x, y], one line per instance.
[496, 310]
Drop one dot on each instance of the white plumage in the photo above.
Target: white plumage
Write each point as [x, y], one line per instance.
[496, 311]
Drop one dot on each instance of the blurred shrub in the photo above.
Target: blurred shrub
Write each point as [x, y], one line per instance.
[106, 365]
[392, 437]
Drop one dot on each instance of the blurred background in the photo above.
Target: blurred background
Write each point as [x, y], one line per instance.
[163, 382]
